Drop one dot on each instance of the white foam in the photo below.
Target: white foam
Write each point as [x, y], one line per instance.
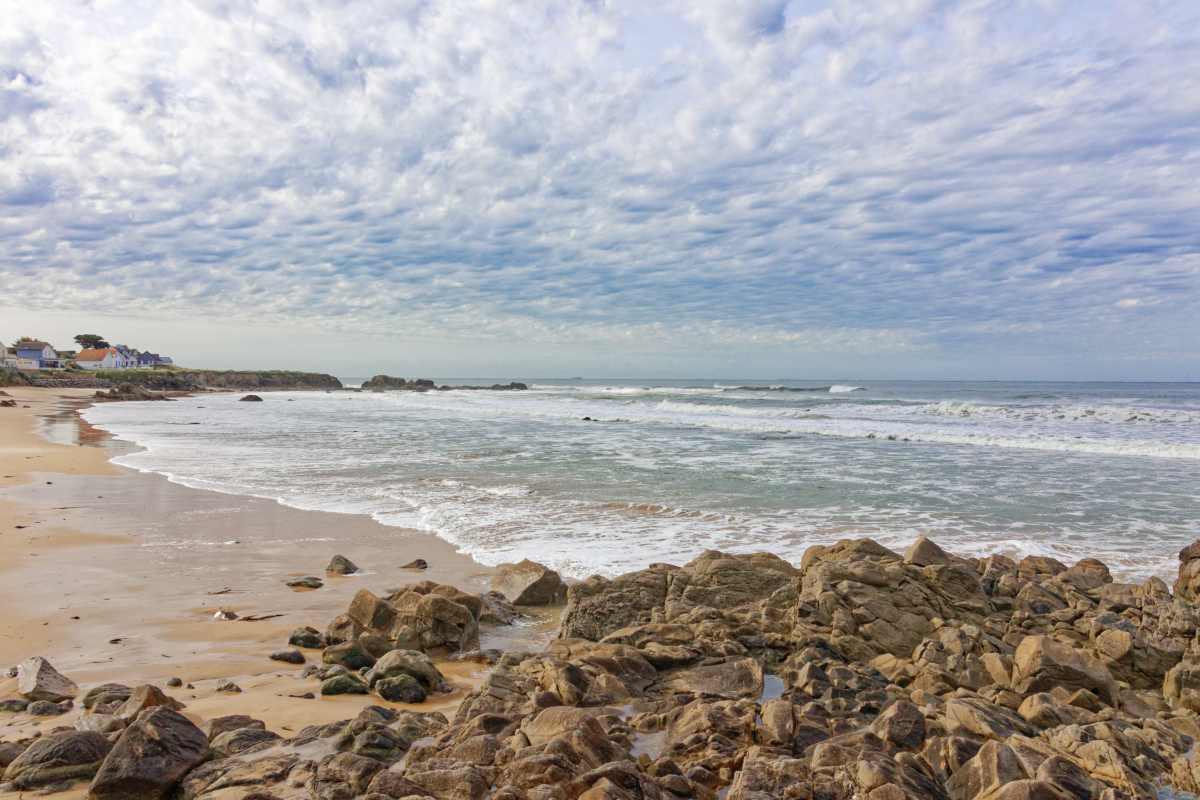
[838, 388]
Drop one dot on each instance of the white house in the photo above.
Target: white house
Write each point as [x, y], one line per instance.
[98, 359]
[35, 355]
[6, 360]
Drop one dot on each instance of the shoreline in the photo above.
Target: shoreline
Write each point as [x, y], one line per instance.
[114, 575]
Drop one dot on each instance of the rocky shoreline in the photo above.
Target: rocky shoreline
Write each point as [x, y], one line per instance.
[860, 673]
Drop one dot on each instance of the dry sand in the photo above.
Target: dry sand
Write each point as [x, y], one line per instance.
[115, 575]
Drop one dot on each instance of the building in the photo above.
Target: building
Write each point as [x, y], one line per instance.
[98, 359]
[6, 359]
[36, 355]
[127, 357]
[151, 361]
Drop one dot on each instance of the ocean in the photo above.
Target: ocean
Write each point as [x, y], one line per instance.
[592, 476]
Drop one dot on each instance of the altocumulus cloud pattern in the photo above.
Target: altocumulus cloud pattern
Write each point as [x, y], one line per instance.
[856, 175]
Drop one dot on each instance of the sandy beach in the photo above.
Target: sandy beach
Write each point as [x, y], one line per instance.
[115, 576]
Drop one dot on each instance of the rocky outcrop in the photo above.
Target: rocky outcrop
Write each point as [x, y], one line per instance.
[528, 583]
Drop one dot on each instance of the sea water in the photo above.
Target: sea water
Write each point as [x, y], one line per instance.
[609, 476]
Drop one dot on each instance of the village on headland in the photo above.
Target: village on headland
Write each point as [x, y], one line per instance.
[132, 374]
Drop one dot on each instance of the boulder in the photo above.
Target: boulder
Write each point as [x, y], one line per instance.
[156, 750]
[412, 663]
[65, 756]
[497, 609]
[243, 740]
[350, 654]
[251, 398]
[401, 689]
[343, 684]
[1187, 584]
[309, 638]
[212, 728]
[1041, 663]
[288, 656]
[143, 697]
[38, 680]
[107, 693]
[736, 677]
[343, 776]
[994, 766]
[924, 553]
[341, 565]
[902, 724]
[529, 583]
[434, 621]
[371, 612]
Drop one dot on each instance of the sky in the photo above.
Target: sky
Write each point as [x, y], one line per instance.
[957, 189]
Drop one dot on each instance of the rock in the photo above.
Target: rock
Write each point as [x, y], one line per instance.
[251, 398]
[529, 583]
[371, 612]
[1027, 790]
[924, 553]
[341, 566]
[741, 677]
[307, 582]
[227, 686]
[375, 644]
[974, 715]
[212, 728]
[419, 563]
[1042, 663]
[101, 723]
[44, 708]
[107, 693]
[1187, 585]
[902, 724]
[407, 662]
[497, 609]
[69, 755]
[434, 618]
[402, 689]
[350, 654]
[8, 754]
[1047, 711]
[243, 740]
[341, 629]
[143, 697]
[992, 768]
[174, 682]
[785, 779]
[38, 680]
[343, 776]
[1069, 777]
[288, 656]
[156, 750]
[455, 783]
[343, 684]
[13, 706]
[306, 637]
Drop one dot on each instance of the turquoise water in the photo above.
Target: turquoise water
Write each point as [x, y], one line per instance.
[666, 469]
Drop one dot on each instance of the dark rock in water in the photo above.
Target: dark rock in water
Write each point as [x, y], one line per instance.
[420, 563]
[529, 583]
[251, 398]
[212, 728]
[308, 582]
[38, 680]
[13, 706]
[159, 748]
[306, 637]
[288, 656]
[44, 708]
[343, 684]
[341, 566]
[69, 755]
[107, 693]
[384, 382]
[402, 689]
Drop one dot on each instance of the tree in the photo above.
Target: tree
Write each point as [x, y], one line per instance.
[90, 341]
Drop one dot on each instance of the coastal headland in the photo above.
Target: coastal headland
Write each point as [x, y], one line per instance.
[159, 651]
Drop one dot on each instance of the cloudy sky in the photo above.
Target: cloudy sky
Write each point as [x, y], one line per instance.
[751, 188]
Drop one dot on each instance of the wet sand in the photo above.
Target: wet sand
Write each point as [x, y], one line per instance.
[115, 575]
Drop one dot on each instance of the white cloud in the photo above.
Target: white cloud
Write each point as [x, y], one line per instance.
[755, 176]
